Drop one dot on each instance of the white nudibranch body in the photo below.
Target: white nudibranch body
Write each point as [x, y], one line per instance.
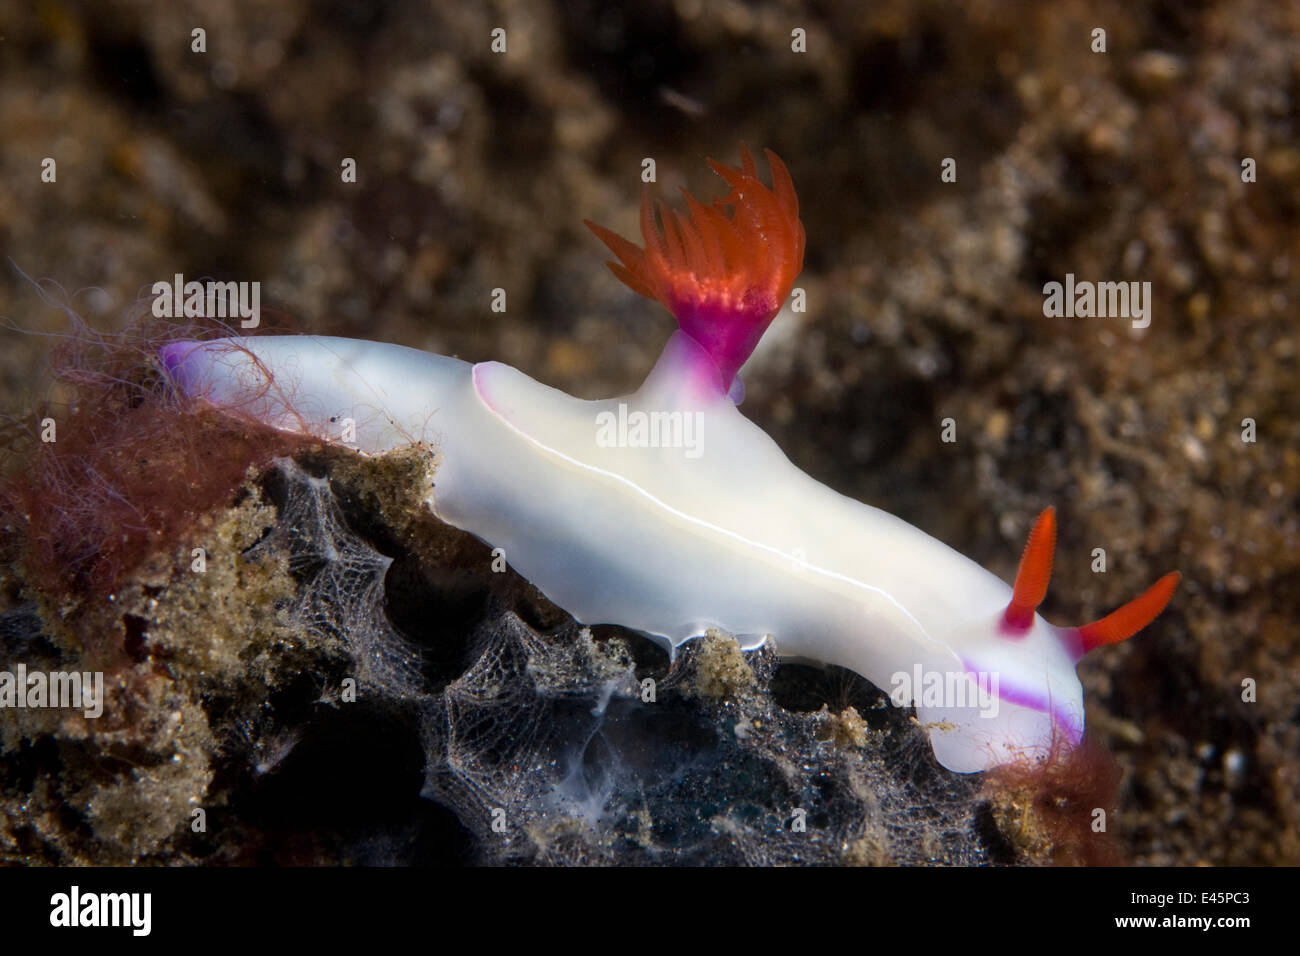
[669, 512]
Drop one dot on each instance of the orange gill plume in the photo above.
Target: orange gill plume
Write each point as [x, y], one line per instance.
[722, 270]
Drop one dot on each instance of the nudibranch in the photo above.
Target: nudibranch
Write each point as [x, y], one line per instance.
[668, 512]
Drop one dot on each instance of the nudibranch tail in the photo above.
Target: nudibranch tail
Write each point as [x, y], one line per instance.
[1124, 622]
[724, 270]
[1035, 572]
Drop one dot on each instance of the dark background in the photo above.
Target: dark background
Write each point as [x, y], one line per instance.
[925, 299]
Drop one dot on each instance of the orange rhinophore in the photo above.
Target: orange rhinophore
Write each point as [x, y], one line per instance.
[1123, 623]
[722, 270]
[1035, 571]
[1031, 587]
